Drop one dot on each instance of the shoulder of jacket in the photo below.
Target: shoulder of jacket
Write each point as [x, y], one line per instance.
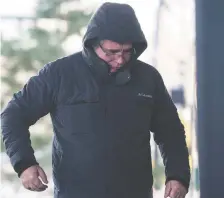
[147, 67]
[65, 61]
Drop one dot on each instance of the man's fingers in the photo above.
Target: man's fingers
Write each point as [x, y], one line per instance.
[29, 188]
[39, 186]
[175, 189]
[167, 190]
[32, 187]
[26, 186]
[42, 175]
[31, 184]
[37, 182]
[174, 193]
[42, 188]
[34, 184]
[182, 195]
[33, 178]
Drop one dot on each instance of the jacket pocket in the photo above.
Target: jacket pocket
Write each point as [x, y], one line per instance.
[144, 106]
[144, 99]
[79, 118]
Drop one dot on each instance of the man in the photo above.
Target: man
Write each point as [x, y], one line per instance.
[103, 103]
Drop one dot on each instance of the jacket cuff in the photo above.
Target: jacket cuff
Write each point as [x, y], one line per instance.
[179, 179]
[23, 165]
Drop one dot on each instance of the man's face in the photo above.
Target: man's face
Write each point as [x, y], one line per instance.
[114, 54]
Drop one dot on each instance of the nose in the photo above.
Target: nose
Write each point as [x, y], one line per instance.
[120, 60]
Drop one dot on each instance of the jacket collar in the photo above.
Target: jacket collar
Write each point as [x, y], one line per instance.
[100, 69]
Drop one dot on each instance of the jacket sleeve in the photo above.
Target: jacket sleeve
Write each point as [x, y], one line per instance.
[34, 101]
[169, 134]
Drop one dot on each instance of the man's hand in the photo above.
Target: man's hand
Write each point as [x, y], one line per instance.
[175, 189]
[34, 178]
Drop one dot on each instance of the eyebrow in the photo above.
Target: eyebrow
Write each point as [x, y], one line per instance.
[117, 49]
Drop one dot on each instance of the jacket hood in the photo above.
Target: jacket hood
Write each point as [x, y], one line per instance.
[116, 22]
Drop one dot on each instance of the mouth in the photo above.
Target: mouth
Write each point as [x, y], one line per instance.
[117, 67]
[114, 69]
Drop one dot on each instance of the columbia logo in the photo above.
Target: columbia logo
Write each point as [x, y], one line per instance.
[144, 95]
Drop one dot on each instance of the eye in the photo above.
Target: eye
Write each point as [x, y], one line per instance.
[114, 51]
[128, 50]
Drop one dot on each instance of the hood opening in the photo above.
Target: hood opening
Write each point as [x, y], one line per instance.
[116, 22]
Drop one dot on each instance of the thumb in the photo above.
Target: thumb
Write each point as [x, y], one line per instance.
[42, 175]
[167, 190]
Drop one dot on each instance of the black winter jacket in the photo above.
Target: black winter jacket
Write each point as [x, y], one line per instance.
[101, 122]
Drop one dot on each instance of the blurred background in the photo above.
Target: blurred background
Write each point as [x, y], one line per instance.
[35, 32]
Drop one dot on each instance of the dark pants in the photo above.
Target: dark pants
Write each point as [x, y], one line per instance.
[56, 195]
[151, 194]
